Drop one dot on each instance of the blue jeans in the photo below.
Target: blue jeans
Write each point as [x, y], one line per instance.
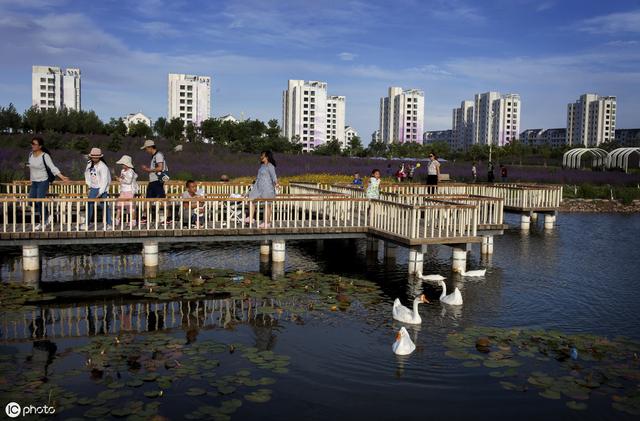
[39, 190]
[93, 193]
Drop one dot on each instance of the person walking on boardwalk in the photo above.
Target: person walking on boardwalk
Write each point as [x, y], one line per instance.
[474, 172]
[373, 188]
[264, 187]
[490, 175]
[503, 173]
[128, 189]
[433, 172]
[157, 170]
[42, 172]
[98, 178]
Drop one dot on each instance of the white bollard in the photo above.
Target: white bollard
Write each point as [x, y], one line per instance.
[150, 253]
[525, 222]
[278, 249]
[459, 263]
[277, 269]
[416, 260]
[549, 221]
[534, 216]
[30, 257]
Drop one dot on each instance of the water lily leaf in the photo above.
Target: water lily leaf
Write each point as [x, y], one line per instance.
[578, 406]
[243, 373]
[472, 364]
[195, 391]
[153, 393]
[258, 397]
[226, 390]
[550, 394]
[98, 411]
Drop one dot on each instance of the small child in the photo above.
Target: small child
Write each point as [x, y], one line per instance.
[128, 189]
[373, 189]
[357, 180]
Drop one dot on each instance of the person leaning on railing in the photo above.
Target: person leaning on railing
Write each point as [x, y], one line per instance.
[196, 216]
[42, 171]
[264, 187]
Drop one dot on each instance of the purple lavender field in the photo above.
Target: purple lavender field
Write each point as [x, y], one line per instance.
[207, 162]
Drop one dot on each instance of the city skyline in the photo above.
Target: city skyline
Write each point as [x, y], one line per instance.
[250, 48]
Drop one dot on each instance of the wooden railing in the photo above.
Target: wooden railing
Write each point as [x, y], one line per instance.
[171, 187]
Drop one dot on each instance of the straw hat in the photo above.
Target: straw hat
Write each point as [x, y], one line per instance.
[95, 153]
[148, 143]
[125, 160]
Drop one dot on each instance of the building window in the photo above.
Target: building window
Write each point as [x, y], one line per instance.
[181, 108]
[189, 115]
[189, 95]
[182, 101]
[43, 102]
[305, 106]
[181, 86]
[305, 112]
[181, 115]
[189, 101]
[190, 88]
[181, 93]
[305, 119]
[306, 92]
[43, 79]
[189, 109]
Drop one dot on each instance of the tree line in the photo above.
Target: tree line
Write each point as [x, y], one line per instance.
[244, 136]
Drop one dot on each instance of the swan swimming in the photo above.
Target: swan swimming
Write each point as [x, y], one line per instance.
[453, 299]
[403, 314]
[403, 344]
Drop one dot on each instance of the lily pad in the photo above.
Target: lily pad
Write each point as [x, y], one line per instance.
[195, 391]
[578, 406]
[550, 394]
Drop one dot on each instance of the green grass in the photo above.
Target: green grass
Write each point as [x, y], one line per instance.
[625, 194]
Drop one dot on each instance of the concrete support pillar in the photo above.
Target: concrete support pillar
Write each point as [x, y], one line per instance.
[277, 269]
[416, 260]
[372, 245]
[320, 246]
[534, 217]
[549, 221]
[278, 251]
[487, 244]
[31, 278]
[30, 258]
[265, 249]
[525, 222]
[150, 253]
[150, 272]
[389, 250]
[459, 261]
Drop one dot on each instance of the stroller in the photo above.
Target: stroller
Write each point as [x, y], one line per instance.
[234, 210]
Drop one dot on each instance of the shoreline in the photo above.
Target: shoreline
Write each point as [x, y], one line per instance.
[598, 205]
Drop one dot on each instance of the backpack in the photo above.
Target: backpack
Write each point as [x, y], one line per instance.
[50, 177]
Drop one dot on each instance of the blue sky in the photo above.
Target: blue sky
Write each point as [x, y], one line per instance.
[548, 51]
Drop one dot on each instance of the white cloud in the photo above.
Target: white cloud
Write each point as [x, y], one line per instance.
[612, 23]
[545, 5]
[157, 29]
[347, 56]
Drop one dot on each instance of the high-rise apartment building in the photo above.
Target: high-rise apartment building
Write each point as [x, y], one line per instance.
[349, 133]
[52, 87]
[189, 98]
[591, 120]
[496, 118]
[554, 138]
[462, 128]
[335, 119]
[402, 116]
[310, 116]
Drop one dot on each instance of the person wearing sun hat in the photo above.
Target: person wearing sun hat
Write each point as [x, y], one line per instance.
[98, 178]
[156, 170]
[128, 189]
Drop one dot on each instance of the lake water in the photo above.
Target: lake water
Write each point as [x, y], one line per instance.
[580, 278]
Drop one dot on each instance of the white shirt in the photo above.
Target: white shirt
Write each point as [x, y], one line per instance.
[157, 159]
[128, 181]
[98, 177]
[37, 171]
[433, 167]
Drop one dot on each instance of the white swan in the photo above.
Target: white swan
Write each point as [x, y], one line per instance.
[477, 272]
[430, 277]
[403, 344]
[453, 299]
[403, 314]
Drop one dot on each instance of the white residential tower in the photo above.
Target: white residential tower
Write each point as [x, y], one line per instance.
[591, 120]
[52, 87]
[189, 98]
[402, 115]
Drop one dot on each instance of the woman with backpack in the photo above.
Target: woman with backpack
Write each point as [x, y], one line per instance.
[42, 172]
[128, 189]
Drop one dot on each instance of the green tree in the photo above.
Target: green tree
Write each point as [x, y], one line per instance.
[377, 149]
[116, 127]
[160, 126]
[115, 142]
[90, 123]
[174, 130]
[80, 144]
[10, 120]
[209, 128]
[191, 132]
[33, 120]
[140, 129]
[355, 148]
[331, 147]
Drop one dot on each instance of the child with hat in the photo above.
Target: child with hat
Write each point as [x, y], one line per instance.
[128, 189]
